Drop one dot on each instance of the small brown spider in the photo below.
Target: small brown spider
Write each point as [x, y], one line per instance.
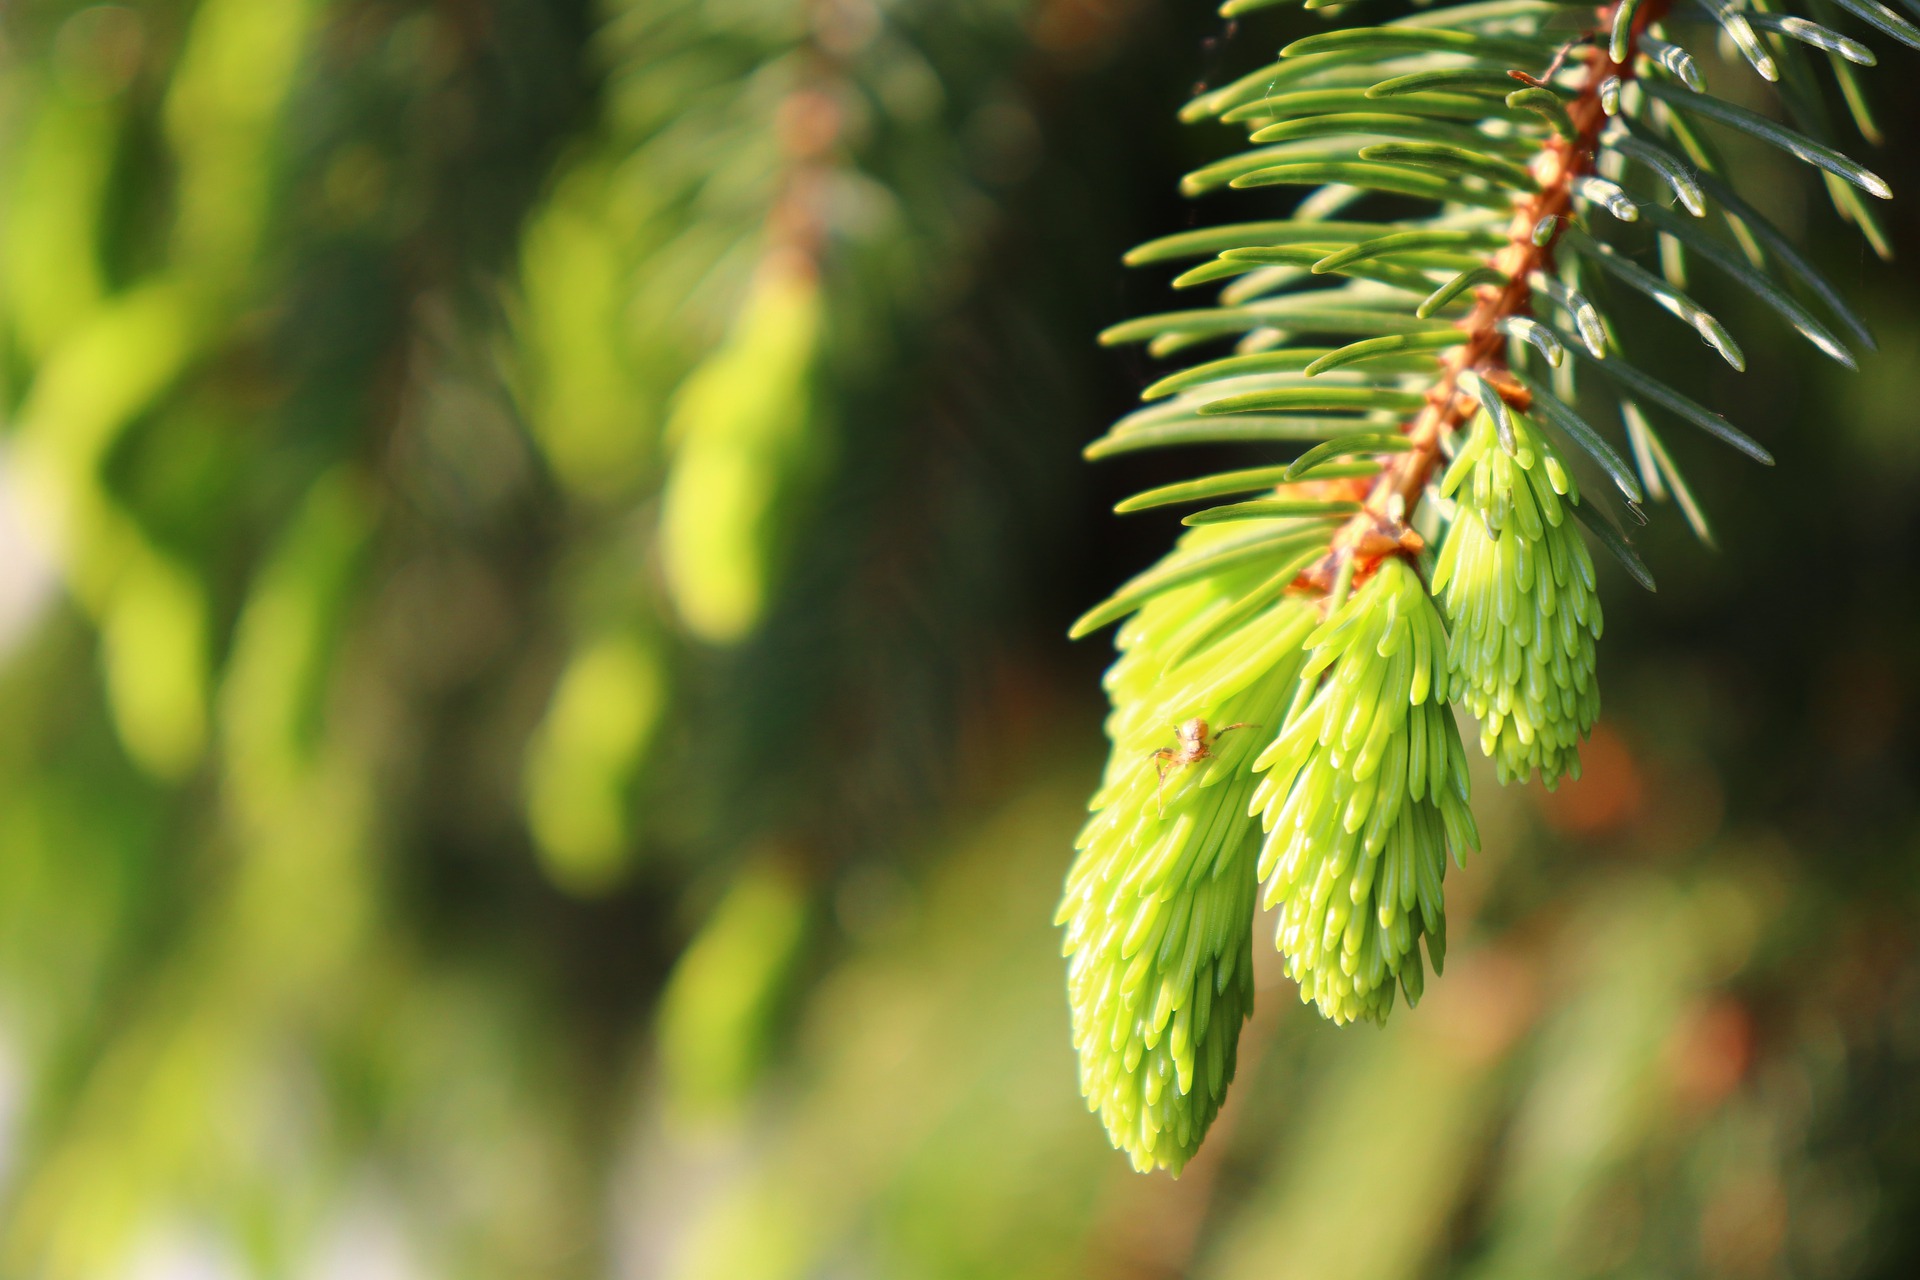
[1195, 745]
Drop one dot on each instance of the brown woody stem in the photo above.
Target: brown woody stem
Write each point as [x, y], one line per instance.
[1383, 527]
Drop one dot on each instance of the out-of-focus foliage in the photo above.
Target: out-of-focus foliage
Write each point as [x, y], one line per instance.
[537, 740]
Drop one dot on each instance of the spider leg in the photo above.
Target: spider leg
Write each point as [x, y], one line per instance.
[1163, 755]
[1221, 733]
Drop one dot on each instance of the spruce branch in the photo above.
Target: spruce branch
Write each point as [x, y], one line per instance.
[1359, 592]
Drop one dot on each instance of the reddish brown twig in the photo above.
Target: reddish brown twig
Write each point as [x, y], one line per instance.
[1382, 528]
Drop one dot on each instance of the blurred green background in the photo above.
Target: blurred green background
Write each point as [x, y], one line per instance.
[536, 738]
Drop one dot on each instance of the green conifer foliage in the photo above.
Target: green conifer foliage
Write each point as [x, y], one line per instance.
[1472, 188]
[1159, 905]
[1362, 796]
[1519, 591]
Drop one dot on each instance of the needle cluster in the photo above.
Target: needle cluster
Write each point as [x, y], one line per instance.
[1362, 795]
[1519, 591]
[1159, 906]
